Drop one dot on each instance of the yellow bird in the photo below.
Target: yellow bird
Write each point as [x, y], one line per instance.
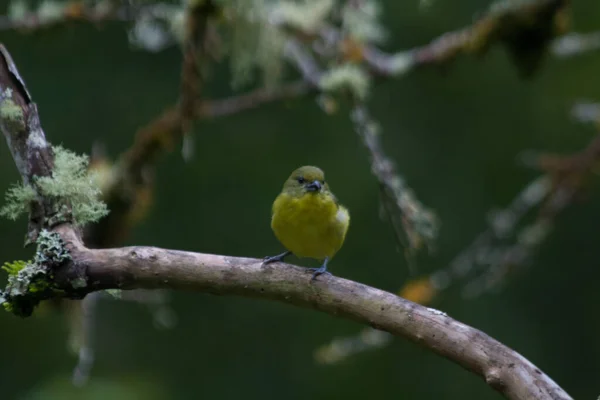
[308, 220]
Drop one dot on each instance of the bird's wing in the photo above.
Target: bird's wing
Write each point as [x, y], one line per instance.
[335, 200]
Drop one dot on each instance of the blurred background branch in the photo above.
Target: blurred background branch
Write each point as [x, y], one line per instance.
[505, 247]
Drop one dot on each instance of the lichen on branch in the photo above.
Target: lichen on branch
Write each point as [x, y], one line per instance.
[17, 200]
[73, 188]
[32, 281]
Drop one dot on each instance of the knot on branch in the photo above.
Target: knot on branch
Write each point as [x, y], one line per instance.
[494, 378]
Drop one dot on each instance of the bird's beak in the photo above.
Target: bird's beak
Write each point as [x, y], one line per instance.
[314, 186]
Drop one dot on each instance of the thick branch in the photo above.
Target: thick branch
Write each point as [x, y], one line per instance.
[149, 267]
[20, 124]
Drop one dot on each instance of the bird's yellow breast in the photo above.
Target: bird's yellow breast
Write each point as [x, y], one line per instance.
[312, 225]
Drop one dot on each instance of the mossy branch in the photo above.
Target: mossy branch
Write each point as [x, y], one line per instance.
[33, 281]
[56, 187]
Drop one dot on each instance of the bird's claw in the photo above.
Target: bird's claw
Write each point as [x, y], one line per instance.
[317, 272]
[272, 259]
[269, 260]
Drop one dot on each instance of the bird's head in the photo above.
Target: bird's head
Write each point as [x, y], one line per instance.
[306, 180]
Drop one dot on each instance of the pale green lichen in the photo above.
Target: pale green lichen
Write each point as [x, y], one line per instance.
[51, 11]
[401, 63]
[10, 111]
[24, 283]
[13, 268]
[71, 182]
[17, 10]
[252, 38]
[347, 76]
[17, 199]
[361, 21]
[19, 296]
[307, 16]
[176, 22]
[31, 282]
[151, 32]
[252, 42]
[116, 293]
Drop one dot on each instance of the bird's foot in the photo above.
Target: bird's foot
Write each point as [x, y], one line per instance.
[277, 258]
[322, 270]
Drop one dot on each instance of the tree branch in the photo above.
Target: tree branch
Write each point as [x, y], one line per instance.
[406, 214]
[65, 13]
[20, 123]
[149, 267]
[196, 26]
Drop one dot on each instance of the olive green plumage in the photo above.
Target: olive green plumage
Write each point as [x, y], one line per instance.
[307, 218]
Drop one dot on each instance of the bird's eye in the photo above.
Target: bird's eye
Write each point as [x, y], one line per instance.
[300, 180]
[323, 182]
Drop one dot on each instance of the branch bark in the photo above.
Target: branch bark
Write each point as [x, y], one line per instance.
[20, 123]
[151, 268]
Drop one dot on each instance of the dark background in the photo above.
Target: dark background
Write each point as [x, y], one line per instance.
[455, 137]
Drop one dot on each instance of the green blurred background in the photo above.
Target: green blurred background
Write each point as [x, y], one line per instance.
[455, 135]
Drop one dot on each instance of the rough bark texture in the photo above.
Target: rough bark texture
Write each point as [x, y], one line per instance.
[25, 139]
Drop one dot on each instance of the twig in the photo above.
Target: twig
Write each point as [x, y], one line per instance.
[407, 215]
[551, 193]
[251, 100]
[574, 44]
[196, 25]
[83, 316]
[82, 332]
[68, 12]
[513, 23]
[585, 111]
[506, 21]
[157, 303]
[304, 61]
[503, 223]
